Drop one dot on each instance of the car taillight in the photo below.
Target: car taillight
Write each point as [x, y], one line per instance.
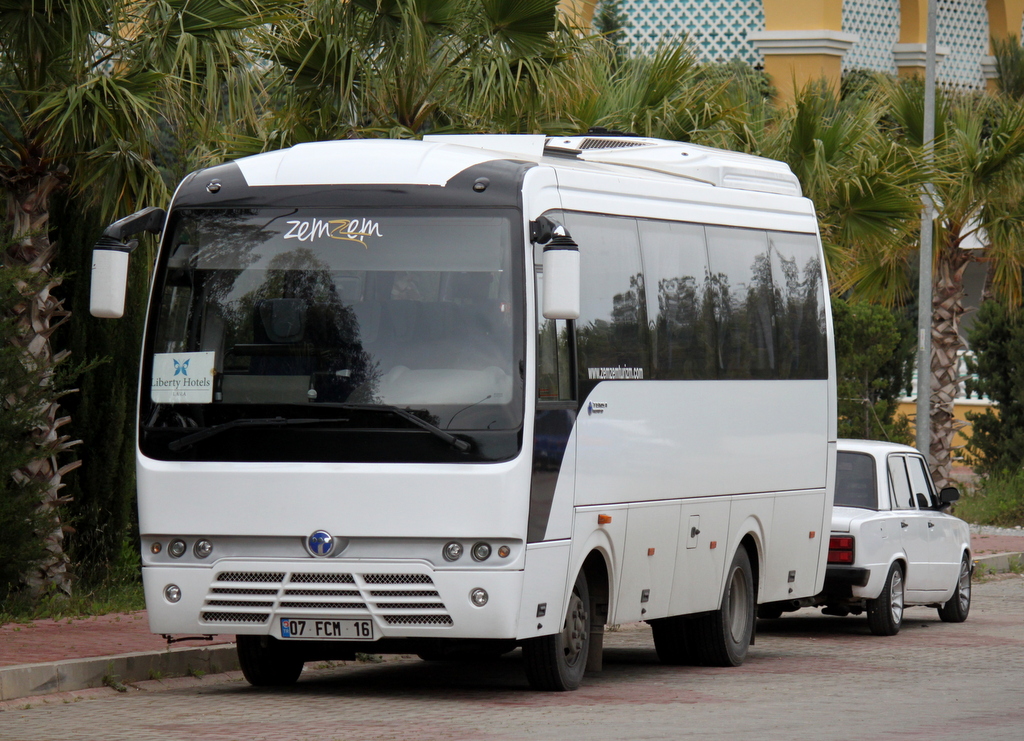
[840, 549]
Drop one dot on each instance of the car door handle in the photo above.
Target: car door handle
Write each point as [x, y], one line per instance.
[931, 524]
[903, 524]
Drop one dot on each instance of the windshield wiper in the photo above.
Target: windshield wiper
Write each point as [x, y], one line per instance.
[461, 445]
[184, 442]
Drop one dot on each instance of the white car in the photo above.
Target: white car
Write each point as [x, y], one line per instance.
[893, 543]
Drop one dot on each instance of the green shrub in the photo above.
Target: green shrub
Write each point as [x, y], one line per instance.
[998, 500]
[874, 357]
[996, 445]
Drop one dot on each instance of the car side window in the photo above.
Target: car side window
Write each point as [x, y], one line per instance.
[920, 482]
[899, 484]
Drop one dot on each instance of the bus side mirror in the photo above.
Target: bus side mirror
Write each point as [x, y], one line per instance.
[109, 279]
[561, 277]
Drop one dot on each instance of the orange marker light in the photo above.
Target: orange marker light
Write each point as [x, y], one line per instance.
[650, 551]
[714, 544]
[811, 534]
[604, 519]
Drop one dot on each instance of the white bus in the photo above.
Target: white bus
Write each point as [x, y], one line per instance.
[475, 393]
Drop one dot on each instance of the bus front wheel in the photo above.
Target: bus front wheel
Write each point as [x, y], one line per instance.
[266, 663]
[555, 663]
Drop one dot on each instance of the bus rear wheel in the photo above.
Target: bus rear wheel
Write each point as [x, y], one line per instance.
[556, 663]
[671, 639]
[722, 637]
[267, 663]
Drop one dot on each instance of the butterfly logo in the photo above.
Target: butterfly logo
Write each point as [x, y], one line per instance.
[181, 369]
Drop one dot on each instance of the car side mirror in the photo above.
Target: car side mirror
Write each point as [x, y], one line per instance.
[949, 495]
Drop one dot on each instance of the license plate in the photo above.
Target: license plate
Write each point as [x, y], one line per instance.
[338, 630]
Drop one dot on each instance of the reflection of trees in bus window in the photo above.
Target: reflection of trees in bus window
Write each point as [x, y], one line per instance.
[612, 330]
[675, 261]
[742, 290]
[800, 305]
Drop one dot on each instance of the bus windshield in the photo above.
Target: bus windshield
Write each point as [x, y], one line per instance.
[320, 312]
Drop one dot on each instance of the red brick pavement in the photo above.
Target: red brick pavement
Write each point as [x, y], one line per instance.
[57, 640]
[986, 545]
[109, 635]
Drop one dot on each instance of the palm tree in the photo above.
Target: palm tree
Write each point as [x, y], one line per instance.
[85, 84]
[979, 192]
[401, 68]
[864, 185]
[665, 94]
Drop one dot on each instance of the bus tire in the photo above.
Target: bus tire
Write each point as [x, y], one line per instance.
[267, 663]
[671, 639]
[556, 663]
[722, 637]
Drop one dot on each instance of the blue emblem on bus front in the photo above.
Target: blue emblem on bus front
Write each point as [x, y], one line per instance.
[320, 543]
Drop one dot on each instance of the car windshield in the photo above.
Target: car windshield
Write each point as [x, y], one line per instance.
[318, 307]
[855, 481]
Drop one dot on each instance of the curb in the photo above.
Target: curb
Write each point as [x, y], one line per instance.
[28, 680]
[1001, 562]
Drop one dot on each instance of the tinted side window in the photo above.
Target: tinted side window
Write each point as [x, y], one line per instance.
[855, 481]
[680, 314]
[799, 306]
[612, 331]
[741, 284]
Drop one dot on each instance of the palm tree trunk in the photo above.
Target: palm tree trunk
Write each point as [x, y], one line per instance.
[37, 318]
[947, 311]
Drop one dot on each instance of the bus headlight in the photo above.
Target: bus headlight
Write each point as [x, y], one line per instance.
[176, 548]
[478, 597]
[452, 551]
[481, 551]
[202, 548]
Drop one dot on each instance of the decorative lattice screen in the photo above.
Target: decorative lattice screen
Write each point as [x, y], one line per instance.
[877, 22]
[717, 29]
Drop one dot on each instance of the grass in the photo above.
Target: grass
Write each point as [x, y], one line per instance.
[124, 596]
[996, 500]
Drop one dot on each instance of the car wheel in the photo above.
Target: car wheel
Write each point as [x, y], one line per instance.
[556, 663]
[267, 663]
[722, 637]
[885, 614]
[955, 611]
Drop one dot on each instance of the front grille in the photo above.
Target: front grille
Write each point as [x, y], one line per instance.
[397, 579]
[239, 590]
[348, 593]
[236, 603]
[418, 620]
[322, 593]
[322, 579]
[235, 617]
[250, 576]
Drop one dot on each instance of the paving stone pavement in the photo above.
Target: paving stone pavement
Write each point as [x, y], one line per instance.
[808, 676]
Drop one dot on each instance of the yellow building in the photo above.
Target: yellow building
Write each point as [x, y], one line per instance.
[796, 41]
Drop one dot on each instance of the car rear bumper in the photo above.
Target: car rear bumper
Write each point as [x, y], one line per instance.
[839, 577]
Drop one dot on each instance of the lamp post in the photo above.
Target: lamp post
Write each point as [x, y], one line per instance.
[924, 295]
